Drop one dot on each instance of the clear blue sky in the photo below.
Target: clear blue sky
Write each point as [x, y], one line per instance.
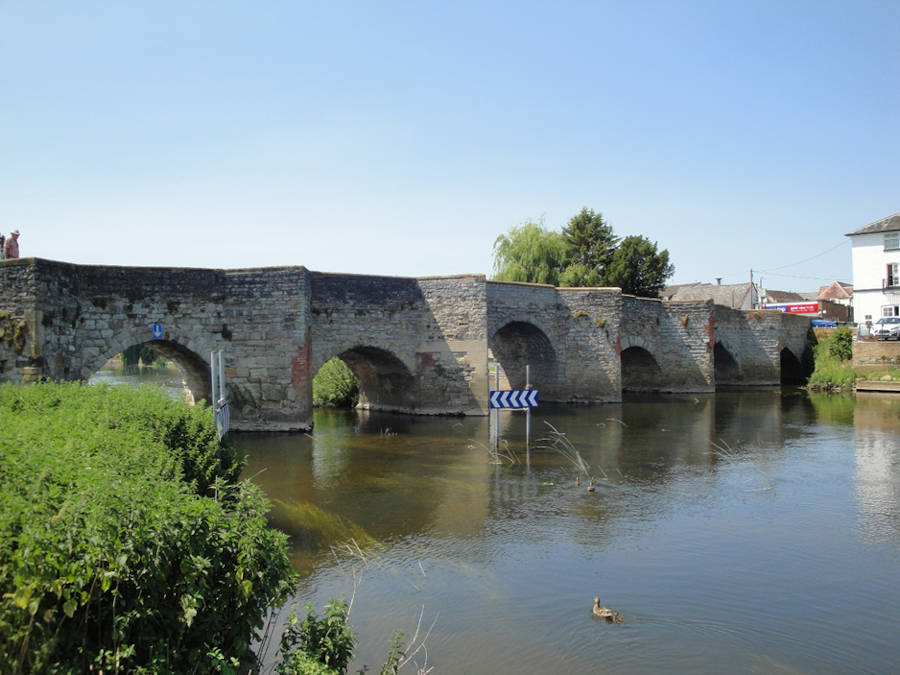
[401, 138]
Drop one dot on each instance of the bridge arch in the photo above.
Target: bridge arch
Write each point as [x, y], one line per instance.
[195, 368]
[640, 371]
[517, 344]
[727, 369]
[792, 369]
[385, 381]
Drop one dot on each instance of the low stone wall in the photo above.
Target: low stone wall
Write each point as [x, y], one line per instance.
[876, 355]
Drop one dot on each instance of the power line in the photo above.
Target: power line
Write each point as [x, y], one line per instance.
[797, 276]
[800, 262]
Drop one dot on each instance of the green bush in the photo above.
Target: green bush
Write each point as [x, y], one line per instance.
[335, 385]
[316, 645]
[840, 343]
[832, 355]
[112, 556]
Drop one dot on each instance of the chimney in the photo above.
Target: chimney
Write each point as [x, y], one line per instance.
[718, 281]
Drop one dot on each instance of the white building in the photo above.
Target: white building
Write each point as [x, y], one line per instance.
[876, 277]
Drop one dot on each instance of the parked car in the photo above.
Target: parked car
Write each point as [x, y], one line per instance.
[887, 328]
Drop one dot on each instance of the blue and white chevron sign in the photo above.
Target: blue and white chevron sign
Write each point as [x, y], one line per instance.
[516, 398]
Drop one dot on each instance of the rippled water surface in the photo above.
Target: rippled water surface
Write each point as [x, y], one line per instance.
[741, 532]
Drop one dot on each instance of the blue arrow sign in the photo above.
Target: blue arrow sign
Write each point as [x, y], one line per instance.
[157, 331]
[515, 398]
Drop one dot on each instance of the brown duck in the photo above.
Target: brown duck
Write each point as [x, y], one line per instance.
[606, 613]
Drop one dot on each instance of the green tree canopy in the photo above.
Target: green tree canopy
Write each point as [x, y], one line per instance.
[529, 253]
[638, 268]
[590, 243]
[579, 275]
[585, 253]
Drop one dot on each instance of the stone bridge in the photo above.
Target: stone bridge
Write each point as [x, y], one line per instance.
[421, 345]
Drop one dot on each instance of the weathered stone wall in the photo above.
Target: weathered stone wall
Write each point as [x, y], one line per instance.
[755, 339]
[417, 345]
[876, 355]
[753, 351]
[84, 315]
[567, 336]
[19, 359]
[453, 359]
[677, 335]
[591, 322]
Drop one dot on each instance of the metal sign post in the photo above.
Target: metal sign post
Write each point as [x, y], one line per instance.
[221, 411]
[512, 399]
[527, 410]
[494, 419]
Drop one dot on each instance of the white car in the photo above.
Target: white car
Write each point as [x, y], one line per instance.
[887, 328]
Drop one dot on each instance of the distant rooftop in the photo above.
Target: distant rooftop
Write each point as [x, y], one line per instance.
[836, 291]
[730, 295]
[783, 296]
[889, 224]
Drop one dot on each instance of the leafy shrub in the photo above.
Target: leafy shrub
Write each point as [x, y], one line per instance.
[832, 355]
[335, 385]
[840, 343]
[184, 435]
[392, 665]
[113, 558]
[317, 645]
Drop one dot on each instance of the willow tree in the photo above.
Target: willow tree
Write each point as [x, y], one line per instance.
[529, 253]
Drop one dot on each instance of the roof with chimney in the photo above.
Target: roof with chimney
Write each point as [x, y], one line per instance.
[889, 224]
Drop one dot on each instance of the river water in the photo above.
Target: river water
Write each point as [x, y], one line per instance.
[739, 532]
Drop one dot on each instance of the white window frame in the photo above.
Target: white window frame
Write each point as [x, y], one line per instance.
[893, 275]
[891, 241]
[890, 310]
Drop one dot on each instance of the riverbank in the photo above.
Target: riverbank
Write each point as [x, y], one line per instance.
[840, 364]
[885, 387]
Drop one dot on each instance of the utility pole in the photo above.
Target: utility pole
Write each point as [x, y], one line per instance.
[752, 304]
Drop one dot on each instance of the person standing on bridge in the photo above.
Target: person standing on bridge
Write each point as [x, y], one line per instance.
[11, 245]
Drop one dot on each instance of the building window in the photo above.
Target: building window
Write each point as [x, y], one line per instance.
[890, 310]
[893, 274]
[891, 241]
